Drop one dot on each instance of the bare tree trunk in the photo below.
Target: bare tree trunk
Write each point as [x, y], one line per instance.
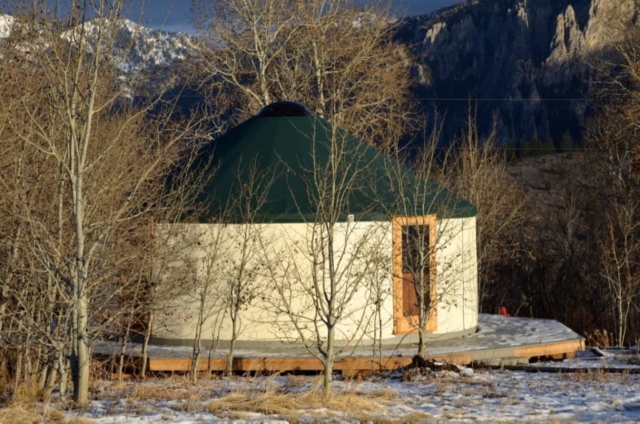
[17, 373]
[145, 347]
[422, 341]
[423, 314]
[27, 359]
[232, 342]
[621, 322]
[62, 366]
[328, 364]
[51, 380]
[7, 279]
[210, 359]
[44, 372]
[195, 358]
[212, 348]
[80, 354]
[379, 312]
[377, 332]
[123, 350]
[81, 364]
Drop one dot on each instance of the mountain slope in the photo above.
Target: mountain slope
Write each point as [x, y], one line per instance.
[137, 48]
[526, 61]
[525, 64]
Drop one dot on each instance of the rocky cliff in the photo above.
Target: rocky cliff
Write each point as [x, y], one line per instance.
[526, 62]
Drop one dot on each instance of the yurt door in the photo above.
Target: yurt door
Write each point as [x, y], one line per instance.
[414, 272]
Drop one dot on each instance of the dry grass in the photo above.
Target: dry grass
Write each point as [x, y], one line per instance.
[385, 394]
[28, 406]
[600, 338]
[175, 388]
[156, 392]
[17, 413]
[599, 376]
[27, 393]
[292, 406]
[634, 359]
[185, 395]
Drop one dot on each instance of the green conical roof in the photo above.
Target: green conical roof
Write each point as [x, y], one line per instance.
[286, 162]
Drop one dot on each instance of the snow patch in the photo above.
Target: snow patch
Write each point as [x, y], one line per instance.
[137, 48]
[484, 396]
[6, 22]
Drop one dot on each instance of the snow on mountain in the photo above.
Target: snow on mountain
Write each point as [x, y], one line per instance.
[6, 22]
[138, 48]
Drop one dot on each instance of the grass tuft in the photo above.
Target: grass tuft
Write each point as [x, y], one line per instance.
[27, 393]
[291, 406]
[17, 413]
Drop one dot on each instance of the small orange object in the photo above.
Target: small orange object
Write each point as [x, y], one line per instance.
[503, 311]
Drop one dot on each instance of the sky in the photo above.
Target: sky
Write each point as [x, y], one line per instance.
[173, 15]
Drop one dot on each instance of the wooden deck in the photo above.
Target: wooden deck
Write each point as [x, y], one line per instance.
[499, 340]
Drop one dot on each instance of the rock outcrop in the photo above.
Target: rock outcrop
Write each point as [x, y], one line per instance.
[528, 63]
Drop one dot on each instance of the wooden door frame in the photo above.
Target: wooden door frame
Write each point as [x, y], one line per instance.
[401, 323]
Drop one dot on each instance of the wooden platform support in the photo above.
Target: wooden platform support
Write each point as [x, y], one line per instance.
[499, 341]
[354, 365]
[560, 350]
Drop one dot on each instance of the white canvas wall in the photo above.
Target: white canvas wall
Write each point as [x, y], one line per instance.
[457, 276]
[280, 267]
[283, 262]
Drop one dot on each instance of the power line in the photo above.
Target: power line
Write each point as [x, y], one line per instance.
[467, 100]
[511, 148]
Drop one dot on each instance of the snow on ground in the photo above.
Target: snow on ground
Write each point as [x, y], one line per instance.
[469, 396]
[493, 332]
[610, 358]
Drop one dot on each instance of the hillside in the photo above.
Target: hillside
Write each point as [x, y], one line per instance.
[547, 179]
[528, 62]
[138, 48]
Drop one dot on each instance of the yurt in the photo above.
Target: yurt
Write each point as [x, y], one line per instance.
[302, 227]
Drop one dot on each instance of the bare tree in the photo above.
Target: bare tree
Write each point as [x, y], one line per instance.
[100, 164]
[613, 134]
[198, 263]
[430, 266]
[338, 58]
[376, 283]
[621, 261]
[249, 194]
[477, 172]
[318, 270]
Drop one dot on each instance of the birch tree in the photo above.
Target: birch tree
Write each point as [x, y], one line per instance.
[477, 172]
[106, 160]
[613, 135]
[318, 276]
[621, 263]
[338, 58]
[424, 277]
[248, 237]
